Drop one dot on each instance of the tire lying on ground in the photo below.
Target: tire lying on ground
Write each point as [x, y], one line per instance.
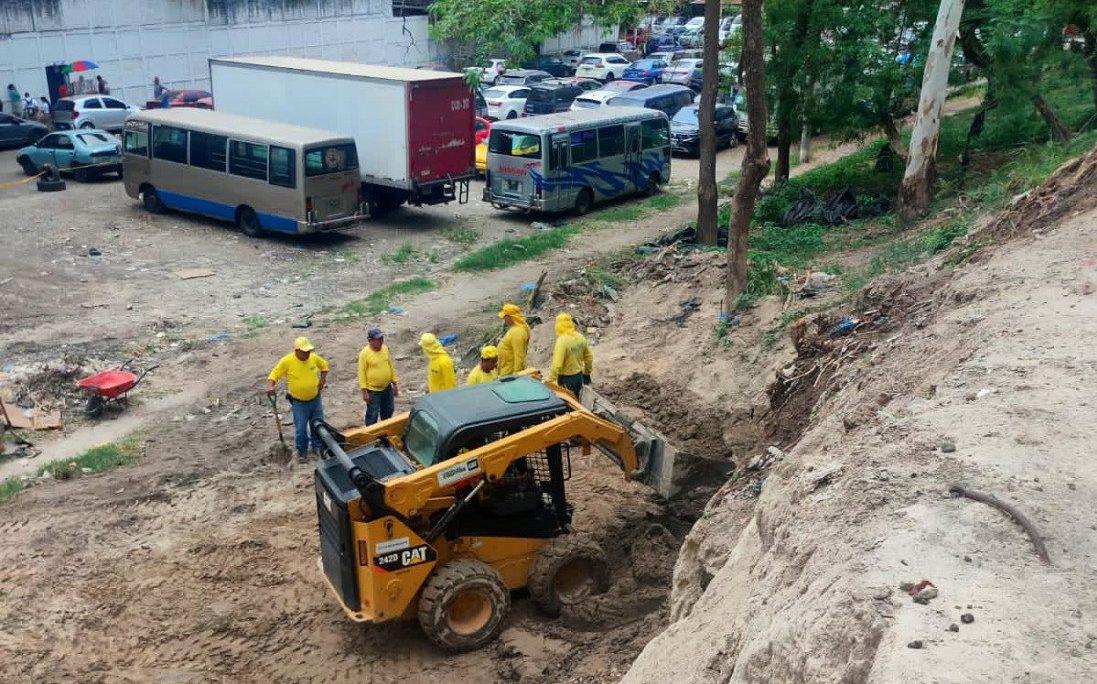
[45, 184]
[567, 571]
[463, 605]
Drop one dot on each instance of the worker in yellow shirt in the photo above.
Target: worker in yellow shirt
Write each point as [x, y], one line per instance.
[440, 374]
[377, 378]
[306, 375]
[512, 348]
[485, 371]
[572, 360]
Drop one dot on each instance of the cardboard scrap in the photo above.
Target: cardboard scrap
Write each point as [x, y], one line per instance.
[189, 273]
[32, 419]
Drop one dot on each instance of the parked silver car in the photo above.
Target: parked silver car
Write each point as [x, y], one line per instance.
[91, 111]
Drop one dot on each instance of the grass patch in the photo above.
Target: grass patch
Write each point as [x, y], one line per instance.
[403, 254]
[461, 235]
[663, 202]
[627, 212]
[510, 251]
[382, 299]
[254, 323]
[9, 488]
[349, 256]
[95, 460]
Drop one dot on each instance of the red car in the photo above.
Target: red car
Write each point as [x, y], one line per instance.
[482, 127]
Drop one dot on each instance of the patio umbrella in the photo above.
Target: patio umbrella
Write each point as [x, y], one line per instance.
[81, 65]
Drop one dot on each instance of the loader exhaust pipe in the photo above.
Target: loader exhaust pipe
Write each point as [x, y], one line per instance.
[358, 477]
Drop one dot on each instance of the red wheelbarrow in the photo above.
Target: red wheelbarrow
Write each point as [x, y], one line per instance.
[102, 388]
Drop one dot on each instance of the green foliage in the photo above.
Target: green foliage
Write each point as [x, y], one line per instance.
[941, 237]
[461, 235]
[254, 323]
[621, 214]
[511, 251]
[772, 204]
[663, 202]
[403, 254]
[382, 299]
[9, 488]
[349, 256]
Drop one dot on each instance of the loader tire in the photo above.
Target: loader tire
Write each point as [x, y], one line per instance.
[565, 572]
[463, 605]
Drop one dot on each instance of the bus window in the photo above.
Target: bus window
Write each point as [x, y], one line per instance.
[654, 134]
[170, 144]
[207, 151]
[137, 142]
[282, 169]
[559, 157]
[584, 146]
[248, 159]
[515, 144]
[330, 159]
[611, 141]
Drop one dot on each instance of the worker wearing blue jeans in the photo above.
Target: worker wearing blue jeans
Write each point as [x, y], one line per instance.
[306, 374]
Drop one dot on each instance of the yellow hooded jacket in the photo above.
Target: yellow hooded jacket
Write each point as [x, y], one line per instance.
[478, 374]
[512, 348]
[440, 374]
[571, 355]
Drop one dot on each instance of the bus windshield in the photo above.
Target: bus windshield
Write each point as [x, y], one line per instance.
[515, 144]
[330, 159]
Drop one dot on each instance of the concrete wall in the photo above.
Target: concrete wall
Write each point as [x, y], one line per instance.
[585, 37]
[134, 40]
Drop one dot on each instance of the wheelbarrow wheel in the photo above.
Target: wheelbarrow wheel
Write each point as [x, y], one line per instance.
[94, 407]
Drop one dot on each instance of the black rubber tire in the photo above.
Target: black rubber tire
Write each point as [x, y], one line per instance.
[28, 166]
[81, 175]
[609, 77]
[151, 201]
[248, 222]
[584, 201]
[47, 185]
[470, 581]
[553, 591]
[94, 407]
[653, 185]
[512, 115]
[87, 125]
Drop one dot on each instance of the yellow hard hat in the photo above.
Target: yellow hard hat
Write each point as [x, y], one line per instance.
[510, 310]
[489, 352]
[303, 344]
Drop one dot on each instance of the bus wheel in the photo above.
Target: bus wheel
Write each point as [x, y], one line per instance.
[249, 222]
[151, 200]
[653, 185]
[583, 202]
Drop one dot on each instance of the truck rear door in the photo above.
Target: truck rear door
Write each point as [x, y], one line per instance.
[440, 133]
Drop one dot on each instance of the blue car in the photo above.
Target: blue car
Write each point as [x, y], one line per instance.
[645, 70]
[86, 153]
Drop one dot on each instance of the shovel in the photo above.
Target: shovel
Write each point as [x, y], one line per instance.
[278, 422]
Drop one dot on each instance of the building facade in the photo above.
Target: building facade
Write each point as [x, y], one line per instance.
[132, 41]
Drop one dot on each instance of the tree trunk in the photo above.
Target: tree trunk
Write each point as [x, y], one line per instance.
[756, 160]
[786, 94]
[914, 192]
[707, 220]
[784, 146]
[1059, 131]
[805, 141]
[895, 141]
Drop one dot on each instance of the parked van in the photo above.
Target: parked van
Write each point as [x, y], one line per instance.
[664, 98]
[549, 99]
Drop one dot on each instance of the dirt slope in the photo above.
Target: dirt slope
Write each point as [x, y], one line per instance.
[980, 376]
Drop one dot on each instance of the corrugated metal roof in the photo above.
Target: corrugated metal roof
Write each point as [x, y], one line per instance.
[550, 122]
[252, 128]
[323, 66]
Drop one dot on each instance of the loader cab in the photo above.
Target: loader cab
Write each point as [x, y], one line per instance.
[446, 424]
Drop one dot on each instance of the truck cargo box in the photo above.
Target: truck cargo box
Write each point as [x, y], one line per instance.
[413, 128]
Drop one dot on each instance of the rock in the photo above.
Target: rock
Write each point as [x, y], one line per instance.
[954, 627]
[92, 251]
[948, 447]
[967, 618]
[538, 225]
[967, 559]
[916, 644]
[925, 595]
[906, 586]
[970, 396]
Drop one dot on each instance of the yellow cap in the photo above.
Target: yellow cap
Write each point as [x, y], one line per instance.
[489, 352]
[303, 344]
[510, 310]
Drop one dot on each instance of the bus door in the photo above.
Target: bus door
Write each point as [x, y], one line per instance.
[558, 193]
[634, 158]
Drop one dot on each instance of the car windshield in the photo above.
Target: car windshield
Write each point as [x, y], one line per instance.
[542, 94]
[644, 64]
[64, 106]
[687, 115]
[330, 159]
[512, 79]
[587, 103]
[93, 138]
[591, 60]
[421, 437]
[513, 144]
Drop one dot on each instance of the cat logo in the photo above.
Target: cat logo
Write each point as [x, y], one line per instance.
[399, 560]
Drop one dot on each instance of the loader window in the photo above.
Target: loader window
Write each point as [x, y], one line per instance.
[421, 437]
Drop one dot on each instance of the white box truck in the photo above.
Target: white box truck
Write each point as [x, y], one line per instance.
[413, 128]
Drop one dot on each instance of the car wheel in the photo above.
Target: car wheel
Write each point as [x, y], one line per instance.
[28, 166]
[87, 125]
[151, 200]
[512, 114]
[653, 185]
[609, 77]
[81, 174]
[583, 202]
[249, 222]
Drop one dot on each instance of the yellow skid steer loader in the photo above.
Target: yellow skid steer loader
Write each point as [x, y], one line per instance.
[439, 513]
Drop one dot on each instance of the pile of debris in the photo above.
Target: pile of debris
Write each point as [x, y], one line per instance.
[841, 207]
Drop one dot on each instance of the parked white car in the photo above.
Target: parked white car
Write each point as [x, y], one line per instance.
[594, 99]
[490, 71]
[679, 72]
[604, 66]
[91, 111]
[572, 57]
[506, 102]
[729, 26]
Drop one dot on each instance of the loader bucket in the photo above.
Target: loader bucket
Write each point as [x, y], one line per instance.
[654, 454]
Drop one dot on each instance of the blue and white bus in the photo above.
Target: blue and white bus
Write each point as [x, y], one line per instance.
[570, 160]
